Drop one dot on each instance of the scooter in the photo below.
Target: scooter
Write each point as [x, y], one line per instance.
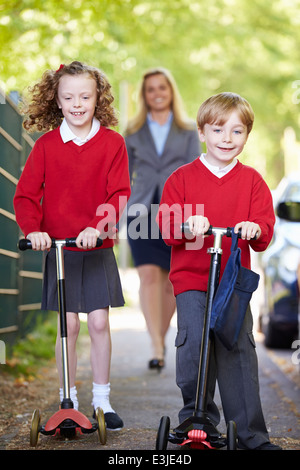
[66, 421]
[197, 431]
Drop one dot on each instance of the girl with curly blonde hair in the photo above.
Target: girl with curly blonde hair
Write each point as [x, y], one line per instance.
[43, 112]
[75, 183]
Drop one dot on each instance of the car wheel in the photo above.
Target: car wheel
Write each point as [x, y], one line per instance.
[277, 338]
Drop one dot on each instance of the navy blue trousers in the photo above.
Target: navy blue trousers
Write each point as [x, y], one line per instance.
[236, 372]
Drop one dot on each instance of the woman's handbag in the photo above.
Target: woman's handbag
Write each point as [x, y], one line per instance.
[232, 297]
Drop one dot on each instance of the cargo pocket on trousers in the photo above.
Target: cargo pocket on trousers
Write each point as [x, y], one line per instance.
[182, 356]
[180, 338]
[252, 357]
[251, 338]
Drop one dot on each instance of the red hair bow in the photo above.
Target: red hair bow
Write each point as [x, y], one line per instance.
[60, 67]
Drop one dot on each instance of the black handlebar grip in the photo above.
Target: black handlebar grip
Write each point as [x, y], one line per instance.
[24, 244]
[209, 231]
[99, 242]
[185, 227]
[71, 242]
[229, 233]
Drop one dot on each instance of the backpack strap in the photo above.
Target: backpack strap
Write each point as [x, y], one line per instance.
[234, 243]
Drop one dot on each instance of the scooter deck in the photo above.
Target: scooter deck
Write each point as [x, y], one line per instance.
[79, 419]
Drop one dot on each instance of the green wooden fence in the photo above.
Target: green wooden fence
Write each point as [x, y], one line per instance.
[20, 272]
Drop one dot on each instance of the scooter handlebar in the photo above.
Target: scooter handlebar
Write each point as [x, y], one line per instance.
[71, 242]
[25, 243]
[226, 231]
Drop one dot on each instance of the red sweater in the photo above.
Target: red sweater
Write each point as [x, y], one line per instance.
[65, 188]
[238, 196]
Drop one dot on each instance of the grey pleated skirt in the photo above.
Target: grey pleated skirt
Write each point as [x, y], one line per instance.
[91, 278]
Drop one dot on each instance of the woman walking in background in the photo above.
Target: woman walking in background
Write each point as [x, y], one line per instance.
[159, 139]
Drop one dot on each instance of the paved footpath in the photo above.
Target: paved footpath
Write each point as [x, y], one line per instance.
[142, 396]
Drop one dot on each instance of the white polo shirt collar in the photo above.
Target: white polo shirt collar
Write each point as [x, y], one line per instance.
[67, 135]
[217, 171]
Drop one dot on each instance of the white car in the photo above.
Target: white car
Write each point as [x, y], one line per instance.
[278, 318]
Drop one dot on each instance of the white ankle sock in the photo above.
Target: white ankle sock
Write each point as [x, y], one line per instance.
[73, 396]
[101, 397]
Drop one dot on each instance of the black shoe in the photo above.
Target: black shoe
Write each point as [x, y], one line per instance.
[264, 446]
[268, 446]
[113, 421]
[156, 364]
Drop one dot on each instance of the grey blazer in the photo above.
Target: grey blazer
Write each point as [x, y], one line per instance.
[148, 170]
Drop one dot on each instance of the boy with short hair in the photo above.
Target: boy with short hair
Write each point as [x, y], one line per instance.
[217, 189]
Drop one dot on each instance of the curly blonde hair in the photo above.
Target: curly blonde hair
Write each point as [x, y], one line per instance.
[43, 114]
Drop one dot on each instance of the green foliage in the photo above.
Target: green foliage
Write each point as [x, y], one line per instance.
[33, 351]
[251, 48]
[36, 349]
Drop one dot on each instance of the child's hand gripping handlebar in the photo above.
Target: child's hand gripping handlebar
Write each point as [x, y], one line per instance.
[25, 243]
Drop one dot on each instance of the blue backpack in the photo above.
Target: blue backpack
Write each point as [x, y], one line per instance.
[232, 297]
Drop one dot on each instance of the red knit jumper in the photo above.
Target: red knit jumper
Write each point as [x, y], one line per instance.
[65, 188]
[240, 195]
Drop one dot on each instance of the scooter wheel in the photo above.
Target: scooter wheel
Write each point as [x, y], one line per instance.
[101, 425]
[68, 429]
[163, 433]
[231, 435]
[35, 428]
